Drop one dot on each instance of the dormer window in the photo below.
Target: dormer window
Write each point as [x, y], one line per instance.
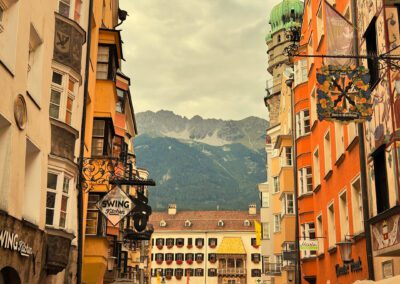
[220, 223]
[188, 223]
[163, 223]
[246, 223]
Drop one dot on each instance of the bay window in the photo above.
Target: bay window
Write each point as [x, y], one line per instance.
[288, 203]
[308, 233]
[62, 96]
[305, 180]
[120, 101]
[101, 137]
[286, 156]
[106, 63]
[58, 190]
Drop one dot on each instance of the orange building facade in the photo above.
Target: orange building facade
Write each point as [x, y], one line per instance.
[327, 166]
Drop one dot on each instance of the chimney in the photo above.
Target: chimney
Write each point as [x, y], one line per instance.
[252, 209]
[172, 209]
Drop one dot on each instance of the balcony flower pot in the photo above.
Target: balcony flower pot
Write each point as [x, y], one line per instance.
[159, 246]
[168, 262]
[189, 261]
[179, 262]
[189, 246]
[199, 261]
[159, 261]
[179, 277]
[169, 246]
[213, 246]
[213, 260]
[199, 246]
[168, 276]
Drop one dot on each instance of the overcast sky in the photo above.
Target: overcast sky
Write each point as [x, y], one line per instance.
[205, 57]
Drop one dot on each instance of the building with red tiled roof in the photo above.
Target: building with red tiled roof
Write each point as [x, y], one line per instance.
[209, 246]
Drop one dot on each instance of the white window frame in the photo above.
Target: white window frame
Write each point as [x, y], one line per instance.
[357, 206]
[59, 193]
[300, 72]
[331, 225]
[286, 157]
[305, 183]
[266, 232]
[277, 223]
[344, 214]
[307, 231]
[303, 123]
[276, 183]
[265, 199]
[316, 168]
[72, 6]
[320, 233]
[65, 94]
[286, 199]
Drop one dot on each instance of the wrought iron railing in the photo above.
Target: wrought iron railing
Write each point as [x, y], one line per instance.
[231, 271]
[272, 268]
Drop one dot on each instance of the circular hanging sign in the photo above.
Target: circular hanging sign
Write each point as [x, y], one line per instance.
[20, 112]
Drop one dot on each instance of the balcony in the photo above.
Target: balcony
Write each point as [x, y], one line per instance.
[273, 268]
[231, 271]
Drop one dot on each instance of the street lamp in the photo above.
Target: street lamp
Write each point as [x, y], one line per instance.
[345, 250]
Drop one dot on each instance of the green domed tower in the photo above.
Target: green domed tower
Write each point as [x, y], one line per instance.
[284, 15]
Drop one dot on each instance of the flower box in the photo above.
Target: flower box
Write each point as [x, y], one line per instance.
[179, 277]
[160, 246]
[179, 262]
[213, 246]
[159, 261]
[189, 261]
[199, 261]
[199, 246]
[169, 246]
[213, 260]
[189, 246]
[256, 246]
[168, 261]
[168, 276]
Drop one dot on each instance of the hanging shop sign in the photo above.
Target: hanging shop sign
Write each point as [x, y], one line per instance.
[115, 205]
[11, 241]
[344, 93]
[308, 244]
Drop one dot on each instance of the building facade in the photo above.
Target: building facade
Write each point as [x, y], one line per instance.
[42, 61]
[205, 246]
[277, 196]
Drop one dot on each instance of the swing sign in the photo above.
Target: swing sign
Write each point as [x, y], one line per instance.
[115, 205]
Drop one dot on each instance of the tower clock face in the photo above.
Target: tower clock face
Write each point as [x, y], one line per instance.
[20, 112]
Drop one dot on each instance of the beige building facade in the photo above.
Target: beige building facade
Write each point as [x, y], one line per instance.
[209, 246]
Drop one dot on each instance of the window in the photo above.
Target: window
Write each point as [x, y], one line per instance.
[199, 242]
[309, 12]
[169, 242]
[265, 199]
[198, 272]
[316, 169]
[277, 223]
[95, 222]
[305, 180]
[163, 223]
[255, 257]
[159, 242]
[212, 272]
[63, 7]
[58, 189]
[179, 257]
[303, 123]
[159, 257]
[320, 24]
[63, 90]
[357, 206]
[308, 233]
[189, 271]
[212, 242]
[101, 138]
[190, 242]
[77, 11]
[313, 107]
[199, 257]
[276, 184]
[220, 223]
[328, 153]
[180, 242]
[169, 272]
[286, 156]
[288, 203]
[310, 51]
[178, 272]
[339, 139]
[212, 257]
[106, 63]
[169, 257]
[120, 101]
[256, 273]
[344, 215]
[381, 186]
[253, 242]
[300, 72]
[352, 131]
[371, 42]
[320, 234]
[265, 231]
[331, 226]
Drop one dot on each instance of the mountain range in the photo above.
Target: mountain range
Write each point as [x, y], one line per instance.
[201, 164]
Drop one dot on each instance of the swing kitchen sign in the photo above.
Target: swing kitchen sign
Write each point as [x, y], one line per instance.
[115, 205]
[344, 93]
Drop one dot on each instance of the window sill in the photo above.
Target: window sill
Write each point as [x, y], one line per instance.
[317, 188]
[304, 195]
[309, 258]
[352, 144]
[332, 250]
[340, 160]
[321, 255]
[328, 175]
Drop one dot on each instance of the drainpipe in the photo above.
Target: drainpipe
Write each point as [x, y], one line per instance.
[297, 278]
[363, 163]
[82, 147]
